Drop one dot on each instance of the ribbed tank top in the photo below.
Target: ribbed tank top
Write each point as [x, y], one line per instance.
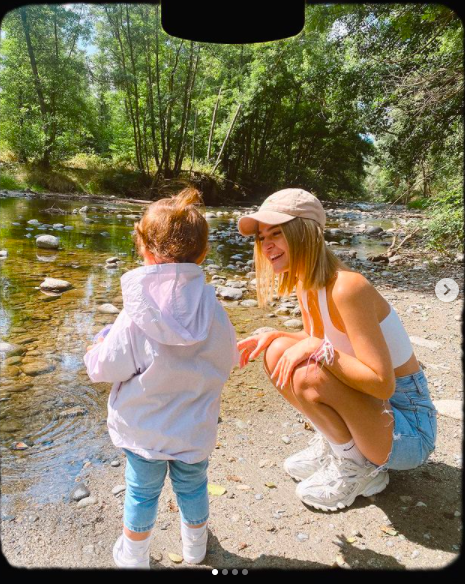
[395, 335]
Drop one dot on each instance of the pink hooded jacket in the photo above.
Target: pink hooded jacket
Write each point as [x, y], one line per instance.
[168, 354]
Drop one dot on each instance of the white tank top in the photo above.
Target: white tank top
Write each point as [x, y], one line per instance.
[395, 335]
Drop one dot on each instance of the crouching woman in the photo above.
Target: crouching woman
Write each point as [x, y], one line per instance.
[352, 370]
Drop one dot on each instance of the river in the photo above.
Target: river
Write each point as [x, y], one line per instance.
[54, 411]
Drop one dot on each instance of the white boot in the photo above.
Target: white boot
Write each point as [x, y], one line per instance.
[132, 554]
[194, 543]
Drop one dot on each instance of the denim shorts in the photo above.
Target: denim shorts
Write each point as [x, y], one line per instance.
[415, 427]
[144, 483]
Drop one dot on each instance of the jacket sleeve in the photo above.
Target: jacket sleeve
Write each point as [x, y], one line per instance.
[113, 359]
[236, 357]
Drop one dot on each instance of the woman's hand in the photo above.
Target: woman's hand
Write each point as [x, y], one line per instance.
[251, 347]
[291, 357]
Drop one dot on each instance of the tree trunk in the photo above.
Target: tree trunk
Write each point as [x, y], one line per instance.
[44, 109]
[213, 123]
[227, 137]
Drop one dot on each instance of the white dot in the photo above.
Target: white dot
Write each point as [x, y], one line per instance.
[245, 572]
[224, 572]
[215, 572]
[235, 572]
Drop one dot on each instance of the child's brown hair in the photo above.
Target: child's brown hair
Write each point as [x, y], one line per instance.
[174, 229]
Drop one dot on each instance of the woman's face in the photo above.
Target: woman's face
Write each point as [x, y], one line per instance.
[274, 246]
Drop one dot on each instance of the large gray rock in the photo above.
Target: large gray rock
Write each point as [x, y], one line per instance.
[47, 242]
[230, 293]
[55, 285]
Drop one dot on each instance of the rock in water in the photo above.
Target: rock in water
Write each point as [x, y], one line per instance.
[9, 350]
[47, 242]
[55, 285]
[108, 309]
[37, 368]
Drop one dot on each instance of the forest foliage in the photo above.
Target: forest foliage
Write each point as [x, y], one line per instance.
[366, 102]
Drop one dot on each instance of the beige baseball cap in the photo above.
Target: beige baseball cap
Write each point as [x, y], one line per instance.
[281, 207]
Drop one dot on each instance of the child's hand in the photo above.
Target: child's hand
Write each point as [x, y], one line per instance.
[99, 340]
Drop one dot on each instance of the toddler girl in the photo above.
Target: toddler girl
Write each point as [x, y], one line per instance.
[168, 354]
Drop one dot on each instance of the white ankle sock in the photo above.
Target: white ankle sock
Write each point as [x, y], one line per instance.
[192, 533]
[348, 450]
[136, 548]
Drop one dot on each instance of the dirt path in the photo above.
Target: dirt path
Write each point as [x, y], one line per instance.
[253, 526]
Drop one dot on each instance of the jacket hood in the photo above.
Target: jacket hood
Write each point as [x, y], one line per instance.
[170, 302]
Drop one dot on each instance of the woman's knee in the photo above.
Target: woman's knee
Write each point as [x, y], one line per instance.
[274, 352]
[307, 385]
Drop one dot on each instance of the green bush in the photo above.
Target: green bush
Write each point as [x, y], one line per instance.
[444, 228]
[9, 183]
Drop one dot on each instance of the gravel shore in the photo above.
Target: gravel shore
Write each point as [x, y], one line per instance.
[258, 522]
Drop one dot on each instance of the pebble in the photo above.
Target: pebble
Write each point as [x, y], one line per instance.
[258, 496]
[115, 463]
[302, 536]
[118, 489]
[415, 554]
[86, 502]
[108, 309]
[286, 439]
[79, 492]
[293, 323]
[263, 329]
[88, 549]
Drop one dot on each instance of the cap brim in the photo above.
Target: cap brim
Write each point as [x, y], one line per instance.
[248, 225]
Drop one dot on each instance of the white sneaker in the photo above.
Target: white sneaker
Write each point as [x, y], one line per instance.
[304, 463]
[339, 482]
[124, 559]
[194, 543]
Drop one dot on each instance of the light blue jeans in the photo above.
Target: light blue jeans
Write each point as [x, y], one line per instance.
[144, 483]
[415, 426]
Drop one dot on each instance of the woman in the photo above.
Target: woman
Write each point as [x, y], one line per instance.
[352, 370]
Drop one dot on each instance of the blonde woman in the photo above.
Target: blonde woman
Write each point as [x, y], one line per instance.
[352, 370]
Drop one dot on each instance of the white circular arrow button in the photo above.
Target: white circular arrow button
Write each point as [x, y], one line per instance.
[447, 290]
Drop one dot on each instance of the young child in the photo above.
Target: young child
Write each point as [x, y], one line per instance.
[168, 354]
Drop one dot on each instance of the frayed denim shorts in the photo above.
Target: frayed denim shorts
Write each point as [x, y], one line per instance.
[415, 428]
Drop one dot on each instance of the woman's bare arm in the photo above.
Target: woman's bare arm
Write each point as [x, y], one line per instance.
[371, 371]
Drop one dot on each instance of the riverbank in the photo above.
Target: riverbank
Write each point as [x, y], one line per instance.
[258, 522]
[100, 182]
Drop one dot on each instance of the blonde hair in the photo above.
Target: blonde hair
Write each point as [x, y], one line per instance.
[174, 228]
[308, 255]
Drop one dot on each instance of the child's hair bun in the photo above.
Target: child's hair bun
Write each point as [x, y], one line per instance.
[187, 197]
[174, 229]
